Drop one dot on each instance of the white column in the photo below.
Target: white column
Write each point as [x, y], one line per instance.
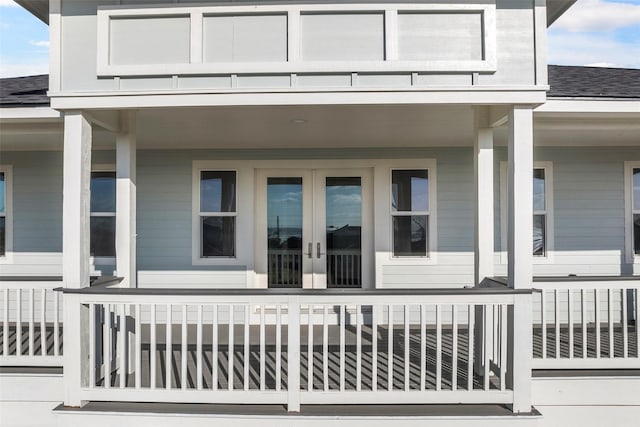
[75, 249]
[520, 216]
[520, 248]
[483, 165]
[126, 200]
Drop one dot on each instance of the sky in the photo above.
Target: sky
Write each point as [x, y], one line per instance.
[593, 32]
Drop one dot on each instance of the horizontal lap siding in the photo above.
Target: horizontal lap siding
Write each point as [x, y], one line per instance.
[589, 215]
[37, 212]
[453, 266]
[588, 199]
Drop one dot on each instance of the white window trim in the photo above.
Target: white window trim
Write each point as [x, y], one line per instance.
[429, 252]
[630, 256]
[7, 258]
[383, 215]
[243, 213]
[103, 260]
[548, 196]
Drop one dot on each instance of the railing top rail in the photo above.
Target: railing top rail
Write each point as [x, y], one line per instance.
[30, 278]
[292, 292]
[573, 279]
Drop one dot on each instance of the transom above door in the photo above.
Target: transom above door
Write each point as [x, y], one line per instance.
[314, 228]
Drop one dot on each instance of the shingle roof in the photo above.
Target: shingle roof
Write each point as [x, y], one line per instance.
[565, 82]
[30, 91]
[593, 82]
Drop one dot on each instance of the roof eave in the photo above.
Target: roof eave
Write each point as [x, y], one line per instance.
[38, 8]
[555, 9]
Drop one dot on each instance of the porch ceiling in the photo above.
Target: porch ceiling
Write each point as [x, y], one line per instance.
[306, 127]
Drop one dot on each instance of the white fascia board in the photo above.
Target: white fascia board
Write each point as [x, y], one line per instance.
[29, 113]
[589, 106]
[151, 100]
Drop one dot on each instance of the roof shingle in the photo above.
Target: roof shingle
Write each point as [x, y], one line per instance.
[593, 82]
[28, 91]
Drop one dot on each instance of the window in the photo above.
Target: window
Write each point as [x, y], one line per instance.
[217, 214]
[103, 214]
[5, 212]
[542, 239]
[636, 210]
[632, 203]
[410, 212]
[539, 213]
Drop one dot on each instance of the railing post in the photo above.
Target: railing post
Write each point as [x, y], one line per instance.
[293, 354]
[520, 335]
[76, 349]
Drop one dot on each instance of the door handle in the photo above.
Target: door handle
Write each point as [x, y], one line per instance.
[310, 250]
[318, 250]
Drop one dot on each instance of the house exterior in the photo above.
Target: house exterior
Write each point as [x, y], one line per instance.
[302, 213]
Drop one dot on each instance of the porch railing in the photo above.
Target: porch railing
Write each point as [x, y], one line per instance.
[31, 314]
[297, 347]
[343, 268]
[586, 324]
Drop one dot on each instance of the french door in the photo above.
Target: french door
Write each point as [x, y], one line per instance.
[314, 228]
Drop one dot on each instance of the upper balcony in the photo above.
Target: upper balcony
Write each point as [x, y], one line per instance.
[489, 51]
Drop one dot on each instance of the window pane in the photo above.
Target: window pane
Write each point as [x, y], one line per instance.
[2, 192]
[2, 236]
[103, 236]
[103, 191]
[218, 236]
[538, 190]
[217, 191]
[636, 177]
[410, 190]
[410, 235]
[636, 234]
[539, 235]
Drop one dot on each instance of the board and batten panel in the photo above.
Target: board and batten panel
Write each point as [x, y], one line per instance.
[342, 37]
[516, 45]
[440, 36]
[157, 40]
[245, 38]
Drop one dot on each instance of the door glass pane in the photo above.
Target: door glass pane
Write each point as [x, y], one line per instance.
[344, 232]
[284, 232]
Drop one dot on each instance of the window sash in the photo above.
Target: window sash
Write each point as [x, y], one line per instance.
[103, 172]
[202, 215]
[397, 213]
